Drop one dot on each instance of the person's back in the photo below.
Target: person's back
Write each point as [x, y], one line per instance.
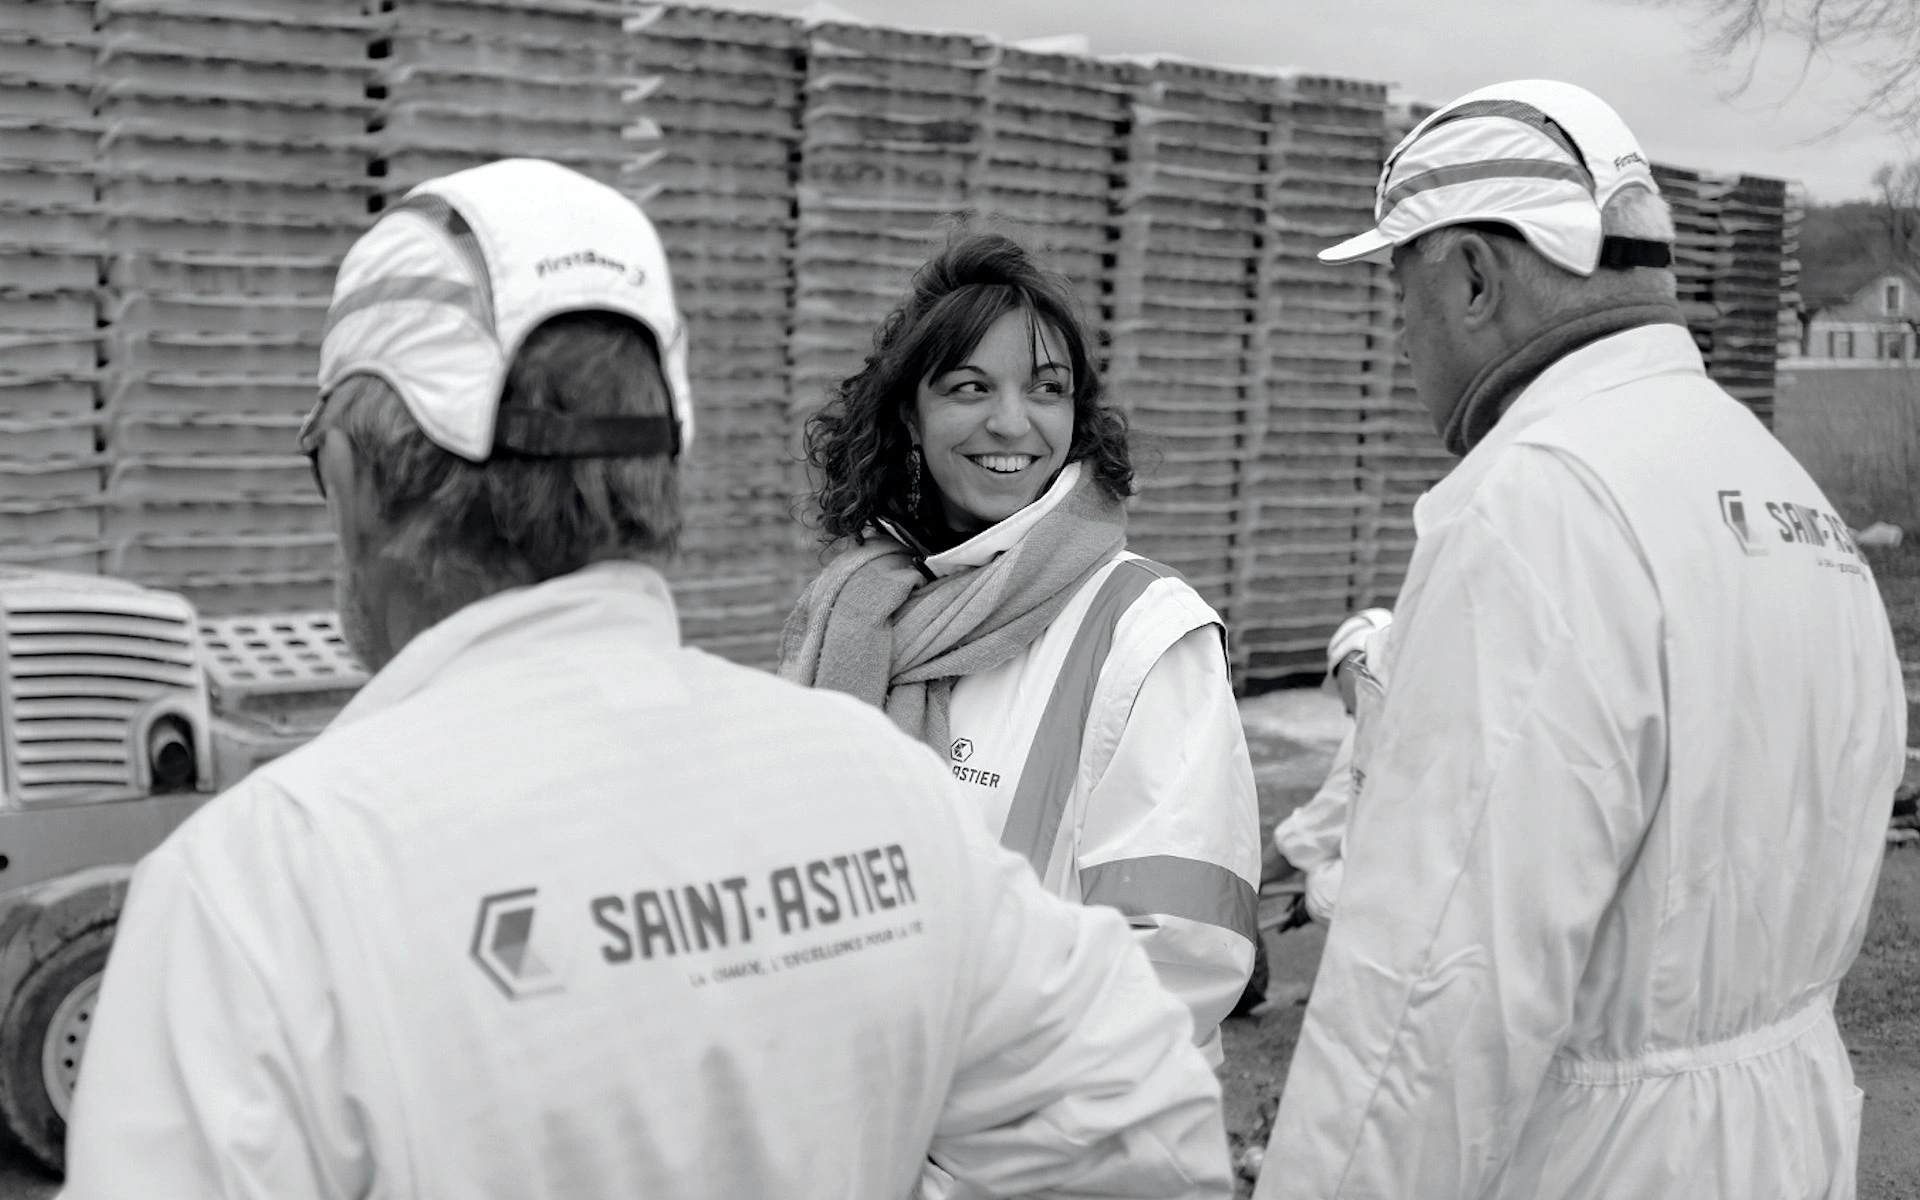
[1749, 896]
[558, 907]
[739, 942]
[1625, 791]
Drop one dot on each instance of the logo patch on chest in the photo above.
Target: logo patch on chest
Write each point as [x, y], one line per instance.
[960, 752]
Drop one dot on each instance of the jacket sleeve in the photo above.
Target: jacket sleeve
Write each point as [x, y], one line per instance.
[211, 1069]
[1519, 754]
[1311, 834]
[1076, 1075]
[1170, 831]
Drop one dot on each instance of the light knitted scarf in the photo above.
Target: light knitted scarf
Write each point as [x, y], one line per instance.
[873, 626]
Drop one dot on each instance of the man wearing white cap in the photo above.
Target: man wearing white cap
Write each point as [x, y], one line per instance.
[1621, 822]
[558, 907]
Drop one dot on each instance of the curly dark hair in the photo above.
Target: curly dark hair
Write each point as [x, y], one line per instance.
[858, 442]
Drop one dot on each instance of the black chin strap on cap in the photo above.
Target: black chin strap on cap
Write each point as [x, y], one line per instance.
[528, 433]
[1623, 252]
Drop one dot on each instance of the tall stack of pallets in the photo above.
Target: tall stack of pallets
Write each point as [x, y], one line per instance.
[231, 178]
[724, 90]
[178, 179]
[1188, 282]
[1318, 521]
[1050, 171]
[464, 82]
[50, 241]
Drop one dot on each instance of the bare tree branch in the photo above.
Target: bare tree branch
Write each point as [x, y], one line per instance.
[1883, 34]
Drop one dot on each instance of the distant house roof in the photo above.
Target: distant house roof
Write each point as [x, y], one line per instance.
[1828, 289]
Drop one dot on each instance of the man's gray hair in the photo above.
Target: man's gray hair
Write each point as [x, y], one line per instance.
[1633, 212]
[471, 529]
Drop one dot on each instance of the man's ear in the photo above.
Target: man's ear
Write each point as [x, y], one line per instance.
[1483, 274]
[353, 505]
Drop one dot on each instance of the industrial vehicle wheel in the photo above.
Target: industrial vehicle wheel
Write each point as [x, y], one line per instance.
[41, 1041]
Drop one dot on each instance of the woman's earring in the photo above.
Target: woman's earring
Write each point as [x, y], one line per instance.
[913, 479]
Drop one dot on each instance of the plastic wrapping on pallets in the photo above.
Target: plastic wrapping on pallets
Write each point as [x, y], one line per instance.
[488, 130]
[76, 478]
[558, 23]
[273, 122]
[62, 19]
[47, 140]
[28, 99]
[563, 97]
[293, 514]
[219, 434]
[35, 439]
[402, 167]
[129, 391]
[206, 478]
[454, 49]
[48, 353]
[152, 555]
[340, 203]
[81, 557]
[217, 274]
[142, 352]
[68, 310]
[29, 396]
[134, 67]
[249, 593]
[40, 187]
[159, 153]
[46, 59]
[278, 316]
[40, 522]
[230, 233]
[320, 36]
[75, 231]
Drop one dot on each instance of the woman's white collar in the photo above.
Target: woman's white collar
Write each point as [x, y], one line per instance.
[995, 540]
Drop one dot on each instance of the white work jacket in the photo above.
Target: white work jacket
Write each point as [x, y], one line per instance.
[1620, 825]
[560, 908]
[1109, 754]
[1313, 836]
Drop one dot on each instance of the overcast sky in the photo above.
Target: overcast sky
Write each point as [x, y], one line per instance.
[1639, 56]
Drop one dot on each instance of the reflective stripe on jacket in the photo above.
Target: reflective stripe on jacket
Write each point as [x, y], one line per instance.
[1110, 754]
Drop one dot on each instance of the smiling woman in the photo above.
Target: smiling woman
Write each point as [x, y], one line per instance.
[984, 598]
[985, 345]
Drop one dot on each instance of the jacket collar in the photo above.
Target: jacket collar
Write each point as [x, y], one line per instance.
[995, 540]
[605, 595]
[1603, 365]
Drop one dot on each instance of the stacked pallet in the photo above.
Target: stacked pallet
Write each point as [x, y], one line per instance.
[465, 82]
[1700, 249]
[892, 131]
[231, 166]
[1727, 258]
[1187, 300]
[1322, 523]
[50, 470]
[1402, 456]
[1746, 295]
[1054, 141]
[723, 89]
[1790, 331]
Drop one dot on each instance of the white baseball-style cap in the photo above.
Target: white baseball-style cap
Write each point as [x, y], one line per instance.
[438, 297]
[1540, 156]
[1356, 633]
